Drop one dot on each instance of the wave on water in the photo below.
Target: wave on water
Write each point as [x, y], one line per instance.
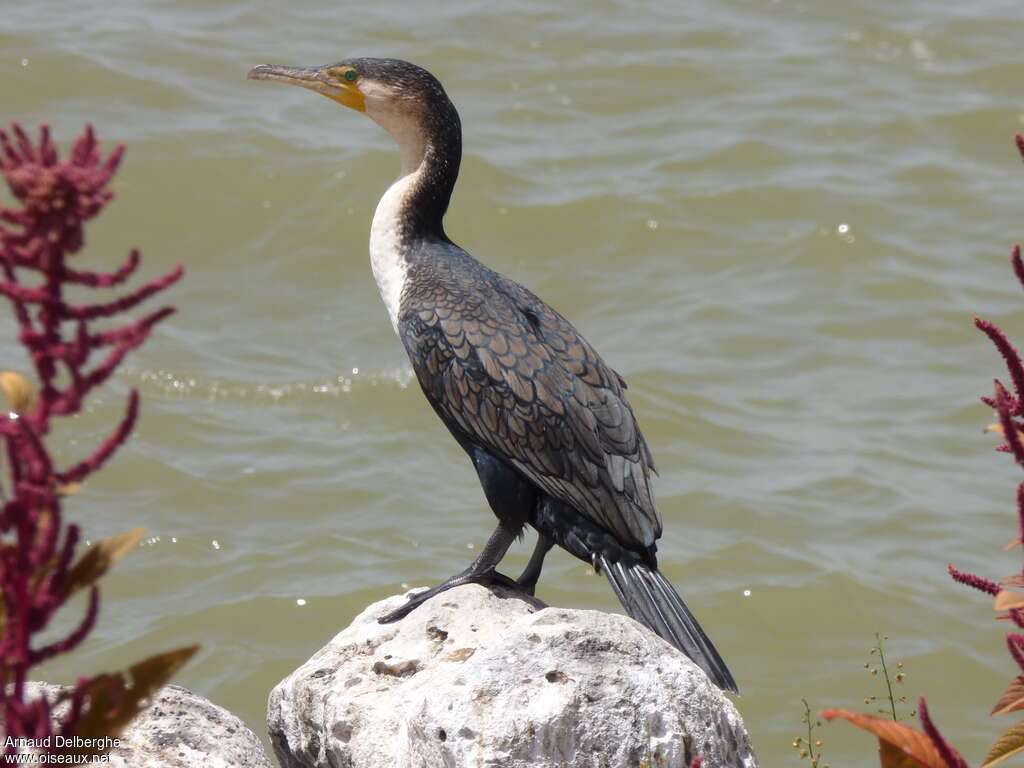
[213, 388]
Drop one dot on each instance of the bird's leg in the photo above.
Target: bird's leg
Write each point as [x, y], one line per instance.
[481, 571]
[528, 578]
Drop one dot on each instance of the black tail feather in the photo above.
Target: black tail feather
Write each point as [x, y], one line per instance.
[649, 598]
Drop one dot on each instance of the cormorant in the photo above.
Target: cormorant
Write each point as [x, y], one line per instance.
[543, 419]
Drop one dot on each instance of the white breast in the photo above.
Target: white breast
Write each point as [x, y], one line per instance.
[386, 256]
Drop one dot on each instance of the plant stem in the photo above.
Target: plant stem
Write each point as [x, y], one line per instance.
[885, 671]
[810, 729]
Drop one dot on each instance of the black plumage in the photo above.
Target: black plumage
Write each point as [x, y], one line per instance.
[512, 376]
[543, 418]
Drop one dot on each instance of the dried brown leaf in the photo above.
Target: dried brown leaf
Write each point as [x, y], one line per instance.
[100, 557]
[112, 702]
[911, 742]
[1007, 745]
[1012, 699]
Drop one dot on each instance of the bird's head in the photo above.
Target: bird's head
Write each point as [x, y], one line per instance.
[402, 98]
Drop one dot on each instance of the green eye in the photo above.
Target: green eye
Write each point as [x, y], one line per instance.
[350, 75]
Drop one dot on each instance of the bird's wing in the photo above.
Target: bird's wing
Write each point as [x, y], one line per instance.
[515, 377]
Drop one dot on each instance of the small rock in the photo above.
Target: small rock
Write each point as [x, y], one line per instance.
[180, 729]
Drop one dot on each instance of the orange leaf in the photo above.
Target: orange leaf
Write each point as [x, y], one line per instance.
[997, 428]
[1016, 580]
[1013, 699]
[911, 742]
[1007, 599]
[1012, 544]
[1007, 745]
[894, 757]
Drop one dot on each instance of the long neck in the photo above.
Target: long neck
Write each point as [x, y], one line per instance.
[413, 208]
[435, 171]
[431, 151]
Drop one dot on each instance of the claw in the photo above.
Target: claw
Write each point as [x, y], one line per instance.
[485, 578]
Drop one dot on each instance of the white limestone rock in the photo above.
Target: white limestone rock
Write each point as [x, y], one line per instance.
[481, 678]
[179, 729]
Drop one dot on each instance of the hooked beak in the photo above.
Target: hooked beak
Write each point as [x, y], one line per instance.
[315, 79]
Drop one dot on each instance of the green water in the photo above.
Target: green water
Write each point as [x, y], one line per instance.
[776, 219]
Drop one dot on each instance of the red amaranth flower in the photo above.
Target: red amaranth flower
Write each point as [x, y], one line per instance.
[949, 755]
[1010, 355]
[1015, 644]
[37, 551]
[979, 583]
